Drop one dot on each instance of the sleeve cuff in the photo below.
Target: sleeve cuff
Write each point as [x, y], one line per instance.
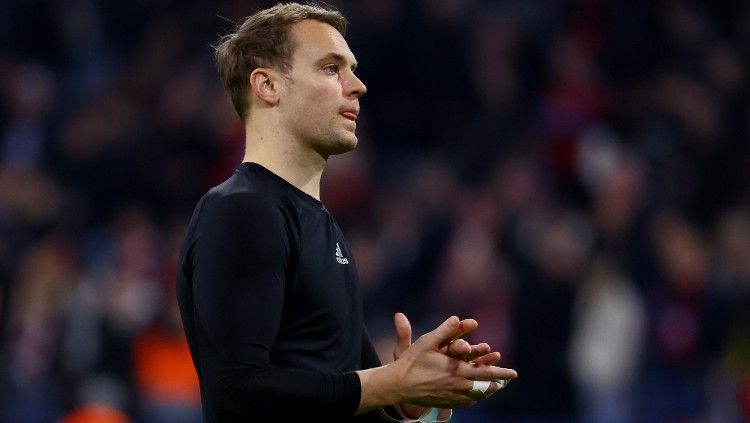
[353, 391]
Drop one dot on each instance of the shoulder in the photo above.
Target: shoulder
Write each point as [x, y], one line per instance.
[242, 206]
[246, 222]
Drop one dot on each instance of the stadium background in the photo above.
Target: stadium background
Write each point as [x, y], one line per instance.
[573, 174]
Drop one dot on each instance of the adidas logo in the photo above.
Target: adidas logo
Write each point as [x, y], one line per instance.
[339, 256]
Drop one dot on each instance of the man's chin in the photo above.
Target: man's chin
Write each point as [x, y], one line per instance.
[343, 145]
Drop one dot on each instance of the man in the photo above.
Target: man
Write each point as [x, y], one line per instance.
[267, 285]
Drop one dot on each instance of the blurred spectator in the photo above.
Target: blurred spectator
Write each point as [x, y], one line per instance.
[101, 399]
[685, 323]
[45, 276]
[164, 372]
[31, 95]
[605, 349]
[95, 414]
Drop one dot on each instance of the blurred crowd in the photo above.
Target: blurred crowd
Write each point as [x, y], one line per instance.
[571, 173]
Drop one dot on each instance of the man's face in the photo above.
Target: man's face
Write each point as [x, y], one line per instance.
[319, 100]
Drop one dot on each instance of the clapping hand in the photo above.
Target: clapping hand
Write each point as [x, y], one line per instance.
[450, 343]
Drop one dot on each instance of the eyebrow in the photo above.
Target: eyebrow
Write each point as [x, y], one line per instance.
[338, 58]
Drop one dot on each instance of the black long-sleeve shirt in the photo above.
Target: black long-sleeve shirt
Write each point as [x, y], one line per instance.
[270, 302]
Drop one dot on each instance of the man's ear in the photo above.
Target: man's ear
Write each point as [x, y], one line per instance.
[264, 85]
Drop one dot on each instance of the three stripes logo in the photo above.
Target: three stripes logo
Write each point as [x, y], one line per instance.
[339, 256]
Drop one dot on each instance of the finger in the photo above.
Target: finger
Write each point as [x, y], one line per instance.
[467, 326]
[484, 372]
[497, 385]
[464, 326]
[476, 390]
[403, 334]
[480, 390]
[478, 351]
[440, 335]
[488, 359]
[459, 349]
[444, 414]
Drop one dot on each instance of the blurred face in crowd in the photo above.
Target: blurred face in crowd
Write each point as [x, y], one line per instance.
[319, 98]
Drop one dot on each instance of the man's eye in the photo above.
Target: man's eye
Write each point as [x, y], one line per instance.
[331, 69]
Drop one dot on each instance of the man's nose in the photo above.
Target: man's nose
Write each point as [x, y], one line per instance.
[357, 88]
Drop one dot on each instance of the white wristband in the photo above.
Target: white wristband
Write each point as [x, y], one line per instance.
[429, 416]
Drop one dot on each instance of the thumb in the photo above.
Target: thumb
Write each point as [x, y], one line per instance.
[440, 335]
[403, 334]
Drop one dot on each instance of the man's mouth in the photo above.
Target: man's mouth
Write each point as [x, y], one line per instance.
[349, 115]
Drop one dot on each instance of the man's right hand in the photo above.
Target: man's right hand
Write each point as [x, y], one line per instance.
[425, 376]
[456, 348]
[429, 377]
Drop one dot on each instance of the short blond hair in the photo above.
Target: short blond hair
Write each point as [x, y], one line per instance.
[262, 40]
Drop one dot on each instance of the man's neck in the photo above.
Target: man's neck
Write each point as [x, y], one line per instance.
[286, 157]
